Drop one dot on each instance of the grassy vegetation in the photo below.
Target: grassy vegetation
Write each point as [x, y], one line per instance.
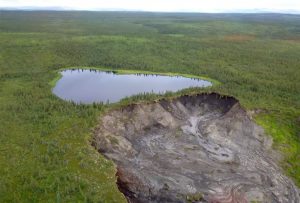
[45, 151]
[285, 132]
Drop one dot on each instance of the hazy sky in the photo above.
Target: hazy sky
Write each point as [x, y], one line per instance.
[162, 5]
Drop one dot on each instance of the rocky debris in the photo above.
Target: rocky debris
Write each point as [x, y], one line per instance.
[201, 148]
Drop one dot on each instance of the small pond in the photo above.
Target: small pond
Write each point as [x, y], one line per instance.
[89, 86]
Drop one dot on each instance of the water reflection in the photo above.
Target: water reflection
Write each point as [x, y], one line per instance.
[89, 86]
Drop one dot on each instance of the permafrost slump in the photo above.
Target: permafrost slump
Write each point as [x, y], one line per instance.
[201, 148]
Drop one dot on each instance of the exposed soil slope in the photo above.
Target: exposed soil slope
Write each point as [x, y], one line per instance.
[201, 148]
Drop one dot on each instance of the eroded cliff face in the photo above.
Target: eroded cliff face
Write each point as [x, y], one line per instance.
[201, 148]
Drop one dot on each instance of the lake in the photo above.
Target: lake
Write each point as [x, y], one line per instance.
[89, 86]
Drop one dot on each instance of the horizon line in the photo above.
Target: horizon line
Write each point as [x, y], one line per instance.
[237, 11]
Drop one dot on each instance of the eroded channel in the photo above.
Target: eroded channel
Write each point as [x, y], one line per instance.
[202, 148]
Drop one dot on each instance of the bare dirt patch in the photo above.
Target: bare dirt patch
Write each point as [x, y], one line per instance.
[202, 148]
[293, 39]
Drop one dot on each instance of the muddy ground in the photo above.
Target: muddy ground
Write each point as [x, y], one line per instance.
[202, 148]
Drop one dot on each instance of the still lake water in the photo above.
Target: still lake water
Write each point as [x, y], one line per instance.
[88, 86]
